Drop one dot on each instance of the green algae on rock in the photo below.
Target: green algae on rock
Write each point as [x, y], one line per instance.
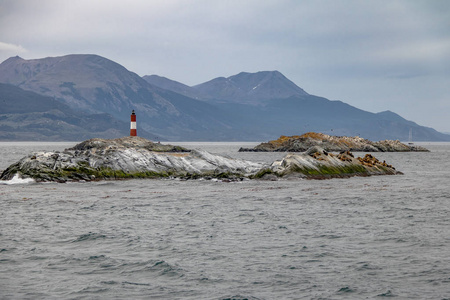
[316, 163]
[125, 158]
[134, 157]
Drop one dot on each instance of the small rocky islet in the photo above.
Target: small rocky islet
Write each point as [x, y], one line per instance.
[136, 157]
[332, 144]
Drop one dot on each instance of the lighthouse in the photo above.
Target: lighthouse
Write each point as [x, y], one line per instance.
[133, 124]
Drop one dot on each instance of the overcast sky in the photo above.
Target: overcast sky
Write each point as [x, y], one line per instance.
[376, 55]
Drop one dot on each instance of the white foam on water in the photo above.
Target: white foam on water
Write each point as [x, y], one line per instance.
[17, 180]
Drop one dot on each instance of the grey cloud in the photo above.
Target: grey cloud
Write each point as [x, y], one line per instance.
[334, 48]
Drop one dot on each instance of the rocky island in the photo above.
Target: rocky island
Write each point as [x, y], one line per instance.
[332, 144]
[135, 157]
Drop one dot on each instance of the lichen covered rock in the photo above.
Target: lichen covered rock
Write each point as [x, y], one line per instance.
[331, 143]
[316, 163]
[133, 157]
[130, 157]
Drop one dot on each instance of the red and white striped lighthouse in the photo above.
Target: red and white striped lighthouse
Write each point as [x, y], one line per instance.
[133, 124]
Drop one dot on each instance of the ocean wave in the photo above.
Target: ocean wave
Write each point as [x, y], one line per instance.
[91, 236]
[160, 267]
[17, 180]
[239, 297]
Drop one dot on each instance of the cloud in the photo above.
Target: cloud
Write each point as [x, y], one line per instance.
[425, 50]
[340, 49]
[11, 48]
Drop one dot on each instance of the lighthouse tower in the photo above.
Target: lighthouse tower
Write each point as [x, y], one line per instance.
[133, 124]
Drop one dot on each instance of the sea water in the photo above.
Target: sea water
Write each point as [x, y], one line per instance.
[354, 238]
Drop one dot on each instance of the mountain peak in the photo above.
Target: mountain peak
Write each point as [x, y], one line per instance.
[83, 81]
[251, 88]
[265, 73]
[12, 60]
[23, 72]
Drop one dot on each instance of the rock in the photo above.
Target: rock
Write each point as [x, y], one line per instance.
[134, 157]
[331, 143]
[130, 157]
[127, 142]
[316, 163]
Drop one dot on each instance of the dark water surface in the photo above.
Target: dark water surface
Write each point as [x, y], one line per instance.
[357, 238]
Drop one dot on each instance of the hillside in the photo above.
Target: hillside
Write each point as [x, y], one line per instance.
[28, 116]
[174, 86]
[244, 107]
[267, 104]
[93, 84]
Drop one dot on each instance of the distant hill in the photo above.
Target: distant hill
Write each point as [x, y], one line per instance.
[244, 107]
[243, 88]
[268, 103]
[250, 88]
[28, 116]
[94, 84]
[297, 115]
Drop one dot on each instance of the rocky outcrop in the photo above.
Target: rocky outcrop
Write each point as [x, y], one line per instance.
[331, 143]
[129, 157]
[134, 142]
[134, 157]
[316, 163]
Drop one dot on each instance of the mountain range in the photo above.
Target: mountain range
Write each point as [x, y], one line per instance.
[89, 95]
[28, 116]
